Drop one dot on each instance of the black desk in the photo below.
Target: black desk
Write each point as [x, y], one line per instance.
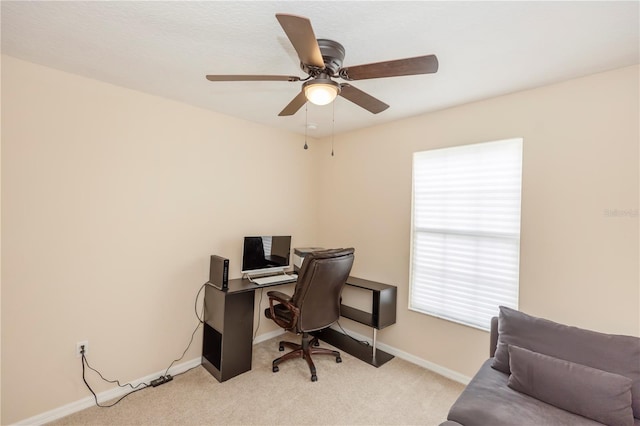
[228, 329]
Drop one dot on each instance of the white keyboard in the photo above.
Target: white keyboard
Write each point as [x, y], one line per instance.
[275, 279]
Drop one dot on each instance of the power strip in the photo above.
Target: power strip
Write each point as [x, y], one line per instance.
[161, 380]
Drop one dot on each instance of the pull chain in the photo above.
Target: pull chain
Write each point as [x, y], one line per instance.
[333, 125]
[306, 125]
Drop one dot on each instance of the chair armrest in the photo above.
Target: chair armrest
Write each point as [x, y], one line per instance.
[285, 300]
[279, 296]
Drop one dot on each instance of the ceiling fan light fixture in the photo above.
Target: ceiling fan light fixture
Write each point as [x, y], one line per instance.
[321, 91]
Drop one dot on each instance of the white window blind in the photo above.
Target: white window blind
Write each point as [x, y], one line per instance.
[466, 231]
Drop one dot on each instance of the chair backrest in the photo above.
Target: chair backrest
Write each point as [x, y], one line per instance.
[320, 282]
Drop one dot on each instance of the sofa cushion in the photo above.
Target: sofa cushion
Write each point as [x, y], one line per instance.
[487, 400]
[593, 393]
[613, 353]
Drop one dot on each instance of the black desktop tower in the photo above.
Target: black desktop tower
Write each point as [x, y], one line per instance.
[219, 272]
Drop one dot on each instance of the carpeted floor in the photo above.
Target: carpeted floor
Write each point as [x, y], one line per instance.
[349, 393]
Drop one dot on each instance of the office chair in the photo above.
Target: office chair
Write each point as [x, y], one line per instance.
[315, 304]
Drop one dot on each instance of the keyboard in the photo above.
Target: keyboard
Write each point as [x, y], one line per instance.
[275, 279]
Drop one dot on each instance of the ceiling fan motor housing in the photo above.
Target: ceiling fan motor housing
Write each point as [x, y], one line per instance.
[332, 55]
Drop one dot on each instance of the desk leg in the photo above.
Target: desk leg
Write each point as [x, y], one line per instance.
[375, 338]
[228, 333]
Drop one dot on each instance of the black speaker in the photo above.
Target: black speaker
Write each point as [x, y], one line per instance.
[219, 272]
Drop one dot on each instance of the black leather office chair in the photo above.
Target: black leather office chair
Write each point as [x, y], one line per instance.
[315, 303]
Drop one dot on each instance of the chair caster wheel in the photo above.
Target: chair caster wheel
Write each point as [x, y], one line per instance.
[338, 360]
[281, 348]
[275, 369]
[314, 378]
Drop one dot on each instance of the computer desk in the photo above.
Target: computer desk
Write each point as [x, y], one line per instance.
[227, 346]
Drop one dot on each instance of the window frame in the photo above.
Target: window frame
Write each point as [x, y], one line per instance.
[515, 238]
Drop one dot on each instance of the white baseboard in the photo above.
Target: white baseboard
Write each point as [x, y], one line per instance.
[436, 368]
[110, 394]
[107, 395]
[269, 335]
[443, 371]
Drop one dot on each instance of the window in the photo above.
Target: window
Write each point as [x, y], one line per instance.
[465, 243]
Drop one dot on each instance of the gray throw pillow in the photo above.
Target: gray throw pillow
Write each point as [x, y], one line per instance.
[589, 392]
[608, 352]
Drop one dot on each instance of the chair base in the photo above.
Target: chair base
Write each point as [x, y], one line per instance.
[305, 350]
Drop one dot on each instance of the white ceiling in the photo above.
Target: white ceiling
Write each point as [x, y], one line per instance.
[485, 49]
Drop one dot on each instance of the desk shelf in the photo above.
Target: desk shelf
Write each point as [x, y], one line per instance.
[362, 352]
[383, 314]
[383, 304]
[357, 315]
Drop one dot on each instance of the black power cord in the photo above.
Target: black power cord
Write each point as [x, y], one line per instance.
[200, 322]
[185, 351]
[195, 305]
[140, 386]
[362, 342]
[136, 388]
[259, 314]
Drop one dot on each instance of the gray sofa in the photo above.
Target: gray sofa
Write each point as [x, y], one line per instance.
[544, 373]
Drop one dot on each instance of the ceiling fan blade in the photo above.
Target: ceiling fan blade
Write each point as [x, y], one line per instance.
[362, 99]
[300, 33]
[253, 78]
[408, 66]
[294, 105]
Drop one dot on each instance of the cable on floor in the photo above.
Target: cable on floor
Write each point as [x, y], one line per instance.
[142, 385]
[136, 388]
[362, 342]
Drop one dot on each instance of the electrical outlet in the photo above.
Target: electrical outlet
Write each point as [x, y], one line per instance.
[79, 346]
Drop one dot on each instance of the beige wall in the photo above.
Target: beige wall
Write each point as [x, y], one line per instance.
[112, 201]
[578, 265]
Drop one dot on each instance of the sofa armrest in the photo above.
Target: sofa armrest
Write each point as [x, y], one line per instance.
[493, 342]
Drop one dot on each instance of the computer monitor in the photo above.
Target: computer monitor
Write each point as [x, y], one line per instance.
[266, 254]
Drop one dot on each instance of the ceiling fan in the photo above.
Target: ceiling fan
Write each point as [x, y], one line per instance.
[322, 60]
